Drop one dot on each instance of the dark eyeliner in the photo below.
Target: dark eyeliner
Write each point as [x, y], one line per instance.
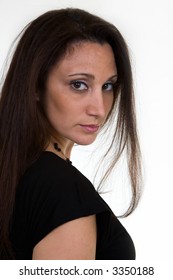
[72, 83]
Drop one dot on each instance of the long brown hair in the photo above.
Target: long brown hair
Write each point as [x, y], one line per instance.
[24, 129]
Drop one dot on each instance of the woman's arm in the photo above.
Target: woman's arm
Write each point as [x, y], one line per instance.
[73, 240]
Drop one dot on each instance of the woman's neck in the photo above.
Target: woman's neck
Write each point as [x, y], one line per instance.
[61, 148]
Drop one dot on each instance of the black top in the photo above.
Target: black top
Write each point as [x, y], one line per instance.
[53, 192]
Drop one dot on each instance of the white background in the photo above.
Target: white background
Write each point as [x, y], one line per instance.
[148, 29]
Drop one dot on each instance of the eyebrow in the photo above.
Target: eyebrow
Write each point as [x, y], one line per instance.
[91, 76]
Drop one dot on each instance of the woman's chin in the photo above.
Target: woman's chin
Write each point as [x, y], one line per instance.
[85, 142]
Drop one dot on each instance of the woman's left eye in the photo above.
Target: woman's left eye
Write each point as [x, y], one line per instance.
[108, 87]
[78, 85]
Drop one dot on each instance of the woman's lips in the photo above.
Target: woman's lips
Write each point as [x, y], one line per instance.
[90, 127]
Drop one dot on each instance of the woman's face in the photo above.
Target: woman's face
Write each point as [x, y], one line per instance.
[79, 92]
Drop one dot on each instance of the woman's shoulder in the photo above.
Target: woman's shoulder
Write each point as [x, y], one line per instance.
[52, 173]
[55, 192]
[52, 178]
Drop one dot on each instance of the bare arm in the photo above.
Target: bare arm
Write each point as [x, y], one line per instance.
[73, 240]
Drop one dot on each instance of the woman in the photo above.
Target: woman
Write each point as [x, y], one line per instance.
[69, 76]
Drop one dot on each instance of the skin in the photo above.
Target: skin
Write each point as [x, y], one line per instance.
[78, 99]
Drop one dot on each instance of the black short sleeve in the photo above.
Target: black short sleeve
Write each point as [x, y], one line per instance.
[52, 193]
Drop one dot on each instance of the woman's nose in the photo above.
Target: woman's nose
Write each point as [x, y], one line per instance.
[96, 105]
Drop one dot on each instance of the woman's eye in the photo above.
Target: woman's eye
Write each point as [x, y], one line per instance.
[78, 85]
[108, 87]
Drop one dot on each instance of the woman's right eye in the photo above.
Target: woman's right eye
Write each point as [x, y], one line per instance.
[78, 85]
